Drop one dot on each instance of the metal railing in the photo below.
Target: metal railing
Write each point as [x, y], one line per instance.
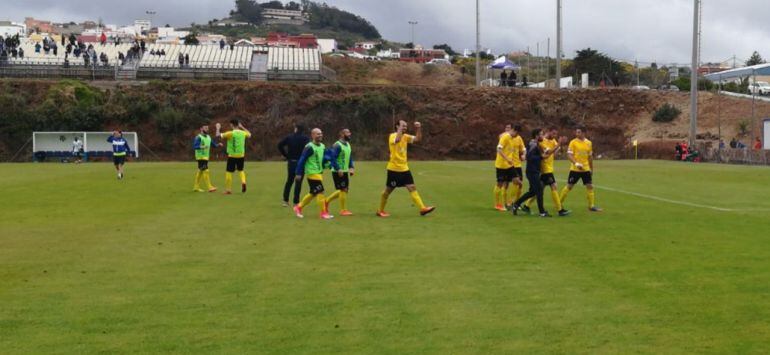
[735, 156]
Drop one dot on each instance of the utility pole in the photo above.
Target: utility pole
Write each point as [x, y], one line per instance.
[636, 64]
[558, 44]
[694, 74]
[413, 23]
[478, 43]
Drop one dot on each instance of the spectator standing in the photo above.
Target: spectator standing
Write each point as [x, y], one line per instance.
[103, 39]
[221, 44]
[37, 47]
[512, 79]
[503, 78]
[291, 148]
[21, 53]
[524, 82]
[77, 150]
[181, 60]
[757, 144]
[187, 60]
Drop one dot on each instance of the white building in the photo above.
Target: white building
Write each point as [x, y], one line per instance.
[142, 25]
[10, 29]
[367, 45]
[326, 45]
[165, 33]
[282, 14]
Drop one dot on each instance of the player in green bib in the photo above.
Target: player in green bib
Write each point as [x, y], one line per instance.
[202, 146]
[342, 153]
[236, 153]
[311, 164]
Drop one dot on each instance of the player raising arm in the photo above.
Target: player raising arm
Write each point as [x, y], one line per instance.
[236, 153]
[398, 169]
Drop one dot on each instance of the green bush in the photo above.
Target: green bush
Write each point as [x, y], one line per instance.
[666, 113]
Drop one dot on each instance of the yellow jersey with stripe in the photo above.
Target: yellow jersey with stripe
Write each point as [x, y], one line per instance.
[582, 151]
[546, 166]
[513, 148]
[398, 156]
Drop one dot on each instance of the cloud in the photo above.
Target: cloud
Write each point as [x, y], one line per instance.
[643, 30]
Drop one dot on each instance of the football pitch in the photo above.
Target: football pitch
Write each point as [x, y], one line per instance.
[679, 262]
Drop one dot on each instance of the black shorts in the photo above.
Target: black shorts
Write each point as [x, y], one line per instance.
[341, 183]
[119, 160]
[506, 175]
[547, 179]
[203, 165]
[234, 164]
[575, 176]
[519, 173]
[399, 179]
[316, 186]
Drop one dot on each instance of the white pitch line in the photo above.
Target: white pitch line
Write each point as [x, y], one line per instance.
[659, 199]
[667, 200]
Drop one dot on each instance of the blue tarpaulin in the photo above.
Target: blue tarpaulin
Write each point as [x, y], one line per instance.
[504, 64]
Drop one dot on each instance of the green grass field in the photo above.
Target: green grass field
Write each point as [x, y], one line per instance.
[679, 262]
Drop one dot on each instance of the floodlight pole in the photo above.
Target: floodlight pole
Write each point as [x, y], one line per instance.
[558, 44]
[413, 23]
[694, 74]
[478, 43]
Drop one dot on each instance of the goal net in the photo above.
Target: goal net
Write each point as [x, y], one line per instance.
[62, 144]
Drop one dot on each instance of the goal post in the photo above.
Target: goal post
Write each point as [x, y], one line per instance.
[95, 145]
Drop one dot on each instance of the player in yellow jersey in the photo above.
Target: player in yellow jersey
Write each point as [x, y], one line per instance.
[236, 153]
[581, 155]
[510, 150]
[550, 147]
[398, 169]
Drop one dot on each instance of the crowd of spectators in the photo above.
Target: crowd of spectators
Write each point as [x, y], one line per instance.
[10, 48]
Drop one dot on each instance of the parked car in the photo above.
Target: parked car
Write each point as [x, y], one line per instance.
[672, 88]
[641, 88]
[760, 88]
[439, 61]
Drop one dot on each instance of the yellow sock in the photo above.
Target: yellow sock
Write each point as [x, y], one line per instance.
[529, 202]
[563, 195]
[497, 195]
[519, 190]
[321, 200]
[417, 200]
[207, 179]
[306, 201]
[556, 200]
[333, 196]
[383, 201]
[197, 185]
[343, 200]
[229, 181]
[242, 175]
[591, 199]
[511, 197]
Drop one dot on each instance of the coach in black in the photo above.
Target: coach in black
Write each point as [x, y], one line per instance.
[291, 148]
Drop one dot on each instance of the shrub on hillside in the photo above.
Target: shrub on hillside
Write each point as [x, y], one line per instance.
[666, 113]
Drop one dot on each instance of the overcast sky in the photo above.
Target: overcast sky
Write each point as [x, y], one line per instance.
[647, 30]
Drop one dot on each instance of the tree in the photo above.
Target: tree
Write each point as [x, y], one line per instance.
[293, 6]
[599, 67]
[409, 45]
[272, 5]
[191, 39]
[755, 59]
[323, 16]
[448, 49]
[249, 11]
